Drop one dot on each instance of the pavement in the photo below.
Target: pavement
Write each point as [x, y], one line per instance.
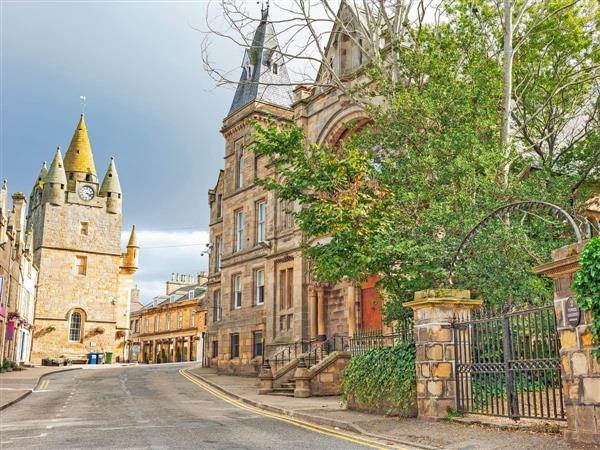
[330, 411]
[154, 407]
[18, 384]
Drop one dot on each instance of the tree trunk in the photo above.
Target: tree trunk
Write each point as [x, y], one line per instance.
[506, 101]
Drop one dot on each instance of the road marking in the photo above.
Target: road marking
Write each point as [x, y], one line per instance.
[297, 422]
[43, 385]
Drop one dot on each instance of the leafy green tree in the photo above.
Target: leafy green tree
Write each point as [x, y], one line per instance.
[400, 195]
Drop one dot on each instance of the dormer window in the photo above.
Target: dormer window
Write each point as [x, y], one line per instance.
[88, 177]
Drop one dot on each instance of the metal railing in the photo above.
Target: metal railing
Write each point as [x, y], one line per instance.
[365, 340]
[287, 353]
[320, 350]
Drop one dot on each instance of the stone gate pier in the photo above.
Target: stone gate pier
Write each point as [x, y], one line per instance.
[580, 370]
[434, 311]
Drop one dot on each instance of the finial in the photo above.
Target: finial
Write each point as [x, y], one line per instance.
[82, 98]
[262, 6]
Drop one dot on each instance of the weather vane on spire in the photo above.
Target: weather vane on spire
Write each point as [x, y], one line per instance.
[82, 98]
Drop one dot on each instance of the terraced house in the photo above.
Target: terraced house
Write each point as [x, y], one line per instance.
[263, 301]
[18, 279]
[172, 327]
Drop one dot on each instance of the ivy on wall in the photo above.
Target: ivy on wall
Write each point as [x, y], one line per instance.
[384, 379]
[587, 286]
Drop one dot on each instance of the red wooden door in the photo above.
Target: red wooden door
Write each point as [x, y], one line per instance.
[371, 306]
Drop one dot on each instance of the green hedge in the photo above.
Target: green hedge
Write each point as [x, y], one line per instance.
[384, 380]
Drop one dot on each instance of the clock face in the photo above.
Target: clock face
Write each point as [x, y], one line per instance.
[86, 193]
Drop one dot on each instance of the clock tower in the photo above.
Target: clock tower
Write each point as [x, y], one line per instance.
[85, 280]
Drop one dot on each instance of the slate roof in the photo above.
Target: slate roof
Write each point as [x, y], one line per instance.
[258, 81]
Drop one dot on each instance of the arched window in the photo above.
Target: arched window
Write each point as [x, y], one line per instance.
[75, 324]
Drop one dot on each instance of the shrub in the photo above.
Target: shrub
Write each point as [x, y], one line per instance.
[383, 380]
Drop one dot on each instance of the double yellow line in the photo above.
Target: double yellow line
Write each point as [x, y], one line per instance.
[299, 423]
[44, 385]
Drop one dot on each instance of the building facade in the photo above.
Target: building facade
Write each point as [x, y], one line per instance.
[261, 294]
[172, 327]
[18, 280]
[84, 281]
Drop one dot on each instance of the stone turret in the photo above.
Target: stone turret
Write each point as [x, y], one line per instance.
[111, 189]
[79, 159]
[36, 192]
[132, 255]
[55, 183]
[19, 210]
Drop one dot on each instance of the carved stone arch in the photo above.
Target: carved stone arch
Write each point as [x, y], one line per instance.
[336, 129]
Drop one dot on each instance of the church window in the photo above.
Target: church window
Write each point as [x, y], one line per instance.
[261, 221]
[75, 324]
[259, 281]
[219, 206]
[84, 228]
[239, 230]
[239, 168]
[217, 306]
[286, 298]
[235, 345]
[218, 253]
[81, 265]
[237, 292]
[360, 52]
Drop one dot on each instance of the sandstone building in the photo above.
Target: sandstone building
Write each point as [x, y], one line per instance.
[172, 327]
[84, 281]
[263, 299]
[18, 279]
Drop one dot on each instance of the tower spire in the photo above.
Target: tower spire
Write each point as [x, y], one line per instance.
[264, 74]
[79, 157]
[111, 179]
[56, 174]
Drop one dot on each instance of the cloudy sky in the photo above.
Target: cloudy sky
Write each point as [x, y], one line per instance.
[149, 103]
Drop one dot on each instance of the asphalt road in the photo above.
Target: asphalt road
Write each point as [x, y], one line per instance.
[142, 407]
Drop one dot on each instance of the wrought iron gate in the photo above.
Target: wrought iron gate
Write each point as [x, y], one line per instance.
[508, 364]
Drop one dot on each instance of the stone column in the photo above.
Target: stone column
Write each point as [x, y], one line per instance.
[321, 334]
[579, 369]
[312, 311]
[351, 309]
[434, 311]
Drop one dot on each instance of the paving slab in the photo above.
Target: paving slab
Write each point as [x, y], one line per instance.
[331, 411]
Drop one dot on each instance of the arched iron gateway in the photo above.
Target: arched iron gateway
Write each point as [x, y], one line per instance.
[506, 210]
[508, 364]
